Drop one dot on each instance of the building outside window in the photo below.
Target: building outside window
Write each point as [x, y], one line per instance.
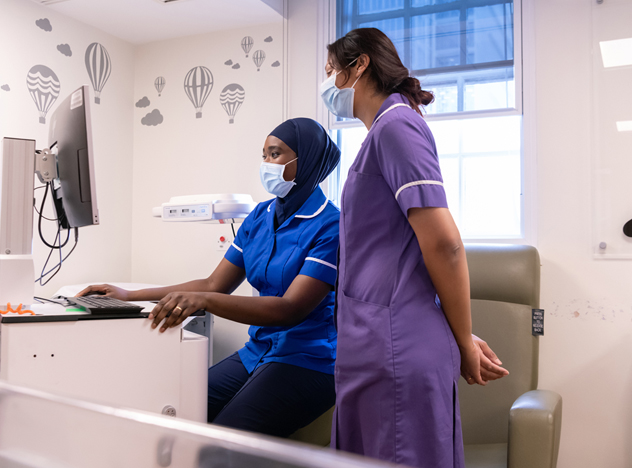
[467, 52]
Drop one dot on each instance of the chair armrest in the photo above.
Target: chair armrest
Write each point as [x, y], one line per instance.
[535, 422]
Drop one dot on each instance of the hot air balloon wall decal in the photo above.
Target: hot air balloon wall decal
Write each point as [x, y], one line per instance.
[99, 67]
[44, 88]
[198, 85]
[259, 57]
[160, 84]
[231, 99]
[246, 44]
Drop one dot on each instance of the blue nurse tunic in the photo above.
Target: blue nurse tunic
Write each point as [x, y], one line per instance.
[305, 244]
[398, 362]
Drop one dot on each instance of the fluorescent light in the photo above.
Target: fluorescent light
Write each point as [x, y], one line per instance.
[616, 53]
[625, 126]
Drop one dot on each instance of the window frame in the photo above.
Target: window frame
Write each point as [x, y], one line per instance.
[524, 80]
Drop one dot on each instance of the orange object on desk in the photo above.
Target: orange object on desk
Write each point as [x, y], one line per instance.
[18, 311]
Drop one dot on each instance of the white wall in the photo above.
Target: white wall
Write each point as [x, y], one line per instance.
[585, 354]
[103, 251]
[185, 155]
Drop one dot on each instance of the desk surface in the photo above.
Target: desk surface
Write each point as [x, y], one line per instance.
[49, 312]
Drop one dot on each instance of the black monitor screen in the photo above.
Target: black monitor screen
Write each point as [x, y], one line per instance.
[75, 195]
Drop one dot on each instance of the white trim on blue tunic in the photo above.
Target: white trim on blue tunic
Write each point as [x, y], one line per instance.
[315, 214]
[270, 206]
[238, 248]
[318, 260]
[418, 182]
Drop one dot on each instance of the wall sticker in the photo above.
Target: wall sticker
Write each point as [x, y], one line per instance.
[246, 44]
[65, 50]
[159, 84]
[259, 57]
[152, 119]
[44, 88]
[231, 99]
[143, 102]
[44, 24]
[198, 85]
[99, 67]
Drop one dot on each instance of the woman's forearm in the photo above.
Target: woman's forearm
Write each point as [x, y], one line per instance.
[444, 256]
[447, 266]
[302, 297]
[155, 294]
[225, 279]
[269, 311]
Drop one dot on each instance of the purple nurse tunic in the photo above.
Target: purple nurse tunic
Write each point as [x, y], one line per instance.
[398, 363]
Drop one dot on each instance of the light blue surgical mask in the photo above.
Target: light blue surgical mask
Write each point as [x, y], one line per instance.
[338, 101]
[272, 178]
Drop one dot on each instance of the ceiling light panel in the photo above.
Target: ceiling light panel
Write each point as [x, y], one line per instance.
[616, 53]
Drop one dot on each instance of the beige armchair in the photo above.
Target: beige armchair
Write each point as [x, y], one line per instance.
[509, 423]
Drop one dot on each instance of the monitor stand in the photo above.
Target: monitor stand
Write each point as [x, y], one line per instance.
[17, 272]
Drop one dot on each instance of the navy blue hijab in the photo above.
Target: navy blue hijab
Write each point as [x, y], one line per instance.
[317, 156]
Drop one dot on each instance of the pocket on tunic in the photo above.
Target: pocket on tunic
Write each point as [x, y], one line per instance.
[364, 339]
[371, 238]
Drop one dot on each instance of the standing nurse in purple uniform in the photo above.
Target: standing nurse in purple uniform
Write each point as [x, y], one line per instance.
[403, 297]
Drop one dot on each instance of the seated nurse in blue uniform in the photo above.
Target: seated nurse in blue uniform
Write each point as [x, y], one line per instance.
[282, 379]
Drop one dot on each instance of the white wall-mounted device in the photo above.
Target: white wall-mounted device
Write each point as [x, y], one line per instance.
[223, 208]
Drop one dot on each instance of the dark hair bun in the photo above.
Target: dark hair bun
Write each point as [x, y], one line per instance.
[411, 88]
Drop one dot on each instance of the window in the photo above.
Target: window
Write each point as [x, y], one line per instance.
[466, 53]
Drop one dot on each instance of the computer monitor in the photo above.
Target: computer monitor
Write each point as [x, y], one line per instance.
[75, 197]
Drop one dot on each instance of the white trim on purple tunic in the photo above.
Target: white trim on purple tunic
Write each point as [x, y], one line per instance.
[417, 182]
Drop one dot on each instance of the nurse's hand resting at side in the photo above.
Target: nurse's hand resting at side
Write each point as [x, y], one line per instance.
[490, 364]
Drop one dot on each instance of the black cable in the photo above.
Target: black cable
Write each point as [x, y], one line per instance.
[68, 254]
[41, 300]
[35, 205]
[57, 242]
[39, 221]
[47, 219]
[57, 267]
[232, 226]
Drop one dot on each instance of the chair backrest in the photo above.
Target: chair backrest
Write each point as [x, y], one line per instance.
[505, 287]
[505, 273]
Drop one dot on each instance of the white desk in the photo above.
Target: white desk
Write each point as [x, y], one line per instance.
[117, 362]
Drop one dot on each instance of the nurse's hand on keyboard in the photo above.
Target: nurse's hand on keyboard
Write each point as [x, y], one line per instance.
[105, 290]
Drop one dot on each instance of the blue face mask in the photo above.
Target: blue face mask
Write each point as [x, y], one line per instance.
[272, 178]
[338, 101]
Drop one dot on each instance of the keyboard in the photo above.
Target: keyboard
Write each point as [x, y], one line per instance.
[99, 305]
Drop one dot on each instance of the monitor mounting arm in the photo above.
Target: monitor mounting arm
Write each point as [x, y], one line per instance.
[46, 165]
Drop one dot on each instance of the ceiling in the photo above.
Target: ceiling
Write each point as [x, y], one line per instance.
[143, 21]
